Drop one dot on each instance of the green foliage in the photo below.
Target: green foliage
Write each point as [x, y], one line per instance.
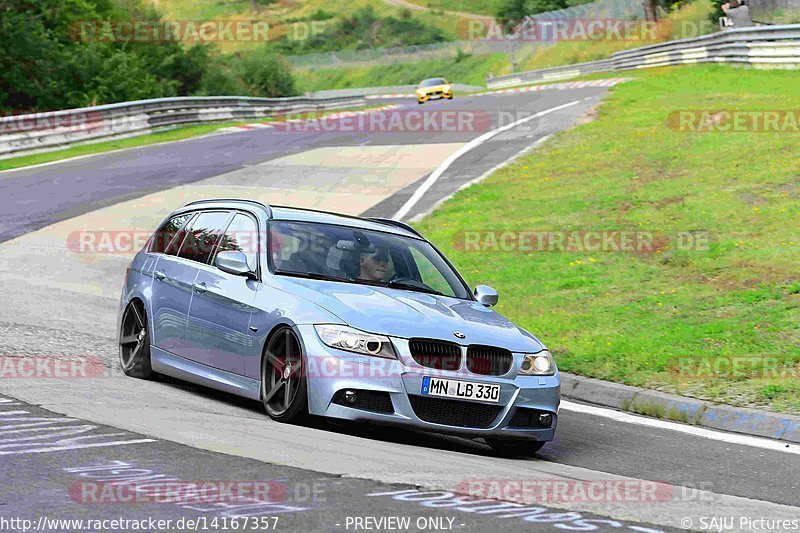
[267, 73]
[52, 56]
[318, 15]
[366, 29]
[717, 11]
[516, 10]
[220, 80]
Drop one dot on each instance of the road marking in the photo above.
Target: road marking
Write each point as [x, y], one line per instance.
[479, 505]
[720, 436]
[536, 144]
[474, 143]
[30, 436]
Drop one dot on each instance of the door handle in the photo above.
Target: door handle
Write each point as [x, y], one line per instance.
[200, 287]
[160, 274]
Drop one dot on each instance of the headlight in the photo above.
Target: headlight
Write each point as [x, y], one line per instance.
[447, 88]
[421, 92]
[538, 364]
[353, 340]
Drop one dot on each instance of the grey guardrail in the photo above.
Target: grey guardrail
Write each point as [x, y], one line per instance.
[52, 130]
[765, 46]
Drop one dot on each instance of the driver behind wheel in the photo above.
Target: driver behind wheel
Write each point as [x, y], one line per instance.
[374, 265]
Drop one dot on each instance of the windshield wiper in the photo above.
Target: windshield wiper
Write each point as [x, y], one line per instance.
[398, 285]
[309, 275]
[413, 287]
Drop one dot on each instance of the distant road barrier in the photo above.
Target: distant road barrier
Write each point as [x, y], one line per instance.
[763, 47]
[37, 132]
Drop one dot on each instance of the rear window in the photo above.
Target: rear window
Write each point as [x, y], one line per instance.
[163, 235]
[202, 237]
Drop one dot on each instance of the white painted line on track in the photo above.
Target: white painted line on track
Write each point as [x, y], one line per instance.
[719, 436]
[483, 176]
[474, 143]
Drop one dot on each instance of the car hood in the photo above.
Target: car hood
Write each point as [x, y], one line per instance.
[407, 314]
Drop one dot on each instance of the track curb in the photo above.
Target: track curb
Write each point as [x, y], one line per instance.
[754, 422]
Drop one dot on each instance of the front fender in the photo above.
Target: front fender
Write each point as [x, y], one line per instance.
[275, 307]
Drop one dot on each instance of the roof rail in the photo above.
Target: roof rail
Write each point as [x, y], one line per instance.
[385, 221]
[396, 223]
[212, 200]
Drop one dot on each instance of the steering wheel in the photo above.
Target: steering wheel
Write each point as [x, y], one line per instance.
[410, 281]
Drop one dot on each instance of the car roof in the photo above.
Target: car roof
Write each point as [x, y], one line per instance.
[298, 214]
[325, 217]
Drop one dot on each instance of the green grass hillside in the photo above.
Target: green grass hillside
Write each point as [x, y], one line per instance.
[674, 319]
[291, 18]
[688, 21]
[469, 70]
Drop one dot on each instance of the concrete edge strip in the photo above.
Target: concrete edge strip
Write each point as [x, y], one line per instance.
[784, 427]
[507, 162]
[474, 143]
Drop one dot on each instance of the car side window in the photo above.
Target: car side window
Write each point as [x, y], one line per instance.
[168, 231]
[203, 235]
[241, 235]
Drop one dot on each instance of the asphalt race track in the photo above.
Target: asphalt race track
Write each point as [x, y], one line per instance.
[57, 435]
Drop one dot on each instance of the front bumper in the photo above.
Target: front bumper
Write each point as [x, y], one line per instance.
[433, 96]
[330, 371]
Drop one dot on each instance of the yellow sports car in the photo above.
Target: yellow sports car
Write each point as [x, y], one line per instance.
[434, 88]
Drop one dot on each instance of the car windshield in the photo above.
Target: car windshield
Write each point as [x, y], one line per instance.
[432, 82]
[354, 255]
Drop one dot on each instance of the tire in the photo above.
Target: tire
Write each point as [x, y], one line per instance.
[515, 448]
[284, 393]
[420, 102]
[134, 342]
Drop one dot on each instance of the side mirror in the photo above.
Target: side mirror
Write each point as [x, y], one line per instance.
[233, 262]
[486, 295]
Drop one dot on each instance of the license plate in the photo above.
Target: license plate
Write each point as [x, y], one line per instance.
[468, 390]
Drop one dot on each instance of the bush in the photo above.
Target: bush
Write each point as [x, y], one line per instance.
[365, 29]
[266, 73]
[220, 80]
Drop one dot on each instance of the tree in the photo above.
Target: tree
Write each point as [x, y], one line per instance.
[46, 64]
